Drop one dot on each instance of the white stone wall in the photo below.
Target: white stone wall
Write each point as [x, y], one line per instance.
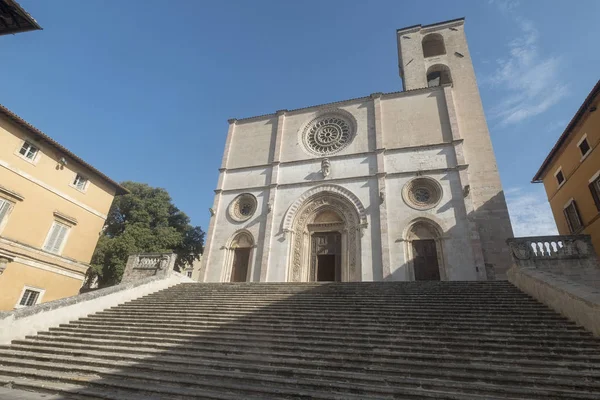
[417, 135]
[438, 133]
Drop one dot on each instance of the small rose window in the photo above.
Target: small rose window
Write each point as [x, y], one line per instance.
[243, 207]
[422, 193]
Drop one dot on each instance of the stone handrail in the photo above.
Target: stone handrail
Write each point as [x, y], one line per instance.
[542, 248]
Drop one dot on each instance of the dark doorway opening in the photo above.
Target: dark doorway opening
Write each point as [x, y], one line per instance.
[326, 271]
[241, 258]
[425, 260]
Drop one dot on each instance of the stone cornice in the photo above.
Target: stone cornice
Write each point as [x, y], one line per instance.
[343, 156]
[10, 193]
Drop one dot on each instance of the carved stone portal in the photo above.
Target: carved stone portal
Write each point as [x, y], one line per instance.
[323, 217]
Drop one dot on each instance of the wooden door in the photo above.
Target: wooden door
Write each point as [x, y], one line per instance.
[425, 260]
[326, 256]
[241, 259]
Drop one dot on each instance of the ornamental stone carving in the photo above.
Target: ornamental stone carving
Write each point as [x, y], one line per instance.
[302, 221]
[422, 193]
[329, 133]
[325, 167]
[243, 207]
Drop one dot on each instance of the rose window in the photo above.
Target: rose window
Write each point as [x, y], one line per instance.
[422, 193]
[328, 134]
[242, 207]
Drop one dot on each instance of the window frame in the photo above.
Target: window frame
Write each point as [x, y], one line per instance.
[36, 156]
[64, 240]
[74, 185]
[594, 186]
[587, 153]
[38, 300]
[7, 211]
[559, 171]
[573, 203]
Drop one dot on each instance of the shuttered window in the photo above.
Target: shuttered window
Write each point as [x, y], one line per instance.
[595, 190]
[572, 216]
[56, 237]
[4, 207]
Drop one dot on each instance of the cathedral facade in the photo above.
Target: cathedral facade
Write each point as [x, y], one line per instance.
[392, 186]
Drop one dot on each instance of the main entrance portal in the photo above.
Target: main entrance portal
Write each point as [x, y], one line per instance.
[324, 227]
[326, 257]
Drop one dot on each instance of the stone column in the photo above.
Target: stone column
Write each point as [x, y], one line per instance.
[383, 220]
[266, 254]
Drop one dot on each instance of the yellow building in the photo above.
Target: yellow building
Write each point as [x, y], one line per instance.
[52, 209]
[571, 173]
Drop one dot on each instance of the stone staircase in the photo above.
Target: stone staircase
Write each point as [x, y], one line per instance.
[410, 340]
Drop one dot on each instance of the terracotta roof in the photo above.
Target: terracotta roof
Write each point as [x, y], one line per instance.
[42, 136]
[565, 135]
[14, 19]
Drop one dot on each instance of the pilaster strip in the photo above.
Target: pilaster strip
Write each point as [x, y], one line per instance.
[383, 218]
[266, 253]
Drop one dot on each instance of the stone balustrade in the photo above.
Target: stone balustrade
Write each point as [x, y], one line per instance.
[140, 266]
[531, 249]
[570, 256]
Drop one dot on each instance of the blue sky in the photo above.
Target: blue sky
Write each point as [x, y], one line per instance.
[142, 89]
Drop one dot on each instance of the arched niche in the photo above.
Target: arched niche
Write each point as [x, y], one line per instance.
[433, 45]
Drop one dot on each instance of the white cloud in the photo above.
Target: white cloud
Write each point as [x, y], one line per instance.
[530, 81]
[530, 212]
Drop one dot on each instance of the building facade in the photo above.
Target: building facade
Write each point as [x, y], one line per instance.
[52, 209]
[571, 173]
[392, 186]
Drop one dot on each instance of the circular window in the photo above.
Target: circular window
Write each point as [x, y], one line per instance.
[328, 134]
[242, 207]
[422, 193]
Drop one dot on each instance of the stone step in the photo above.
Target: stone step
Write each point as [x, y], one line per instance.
[413, 317]
[275, 386]
[482, 369]
[340, 380]
[301, 330]
[382, 337]
[272, 324]
[377, 355]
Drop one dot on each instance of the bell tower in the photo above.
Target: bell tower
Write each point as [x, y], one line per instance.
[438, 55]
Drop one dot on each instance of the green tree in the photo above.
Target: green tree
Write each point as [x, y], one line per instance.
[144, 220]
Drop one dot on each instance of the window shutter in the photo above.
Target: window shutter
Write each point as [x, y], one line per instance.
[52, 237]
[3, 209]
[62, 232]
[594, 189]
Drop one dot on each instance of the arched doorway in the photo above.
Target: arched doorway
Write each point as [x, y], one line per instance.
[238, 259]
[325, 226]
[424, 251]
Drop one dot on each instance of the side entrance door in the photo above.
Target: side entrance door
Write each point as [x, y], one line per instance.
[425, 261]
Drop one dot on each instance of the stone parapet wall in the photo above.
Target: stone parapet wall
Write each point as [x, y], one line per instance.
[30, 320]
[571, 256]
[145, 265]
